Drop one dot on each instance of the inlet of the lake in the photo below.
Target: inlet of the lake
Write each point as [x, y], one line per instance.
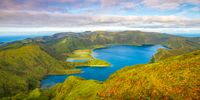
[118, 55]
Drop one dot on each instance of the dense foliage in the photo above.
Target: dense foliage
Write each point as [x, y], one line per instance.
[22, 68]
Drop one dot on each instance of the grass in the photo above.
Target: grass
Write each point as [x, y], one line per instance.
[22, 68]
[73, 71]
[86, 55]
[81, 54]
[75, 88]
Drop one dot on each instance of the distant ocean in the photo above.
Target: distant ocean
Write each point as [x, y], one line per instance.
[188, 34]
[13, 38]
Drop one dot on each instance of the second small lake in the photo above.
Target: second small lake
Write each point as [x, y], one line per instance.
[118, 55]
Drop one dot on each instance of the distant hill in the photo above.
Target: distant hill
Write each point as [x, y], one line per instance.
[68, 42]
[77, 41]
[60, 44]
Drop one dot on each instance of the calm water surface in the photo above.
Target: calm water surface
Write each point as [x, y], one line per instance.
[188, 34]
[118, 55]
[10, 38]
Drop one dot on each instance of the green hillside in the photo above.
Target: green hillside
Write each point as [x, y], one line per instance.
[24, 63]
[77, 88]
[173, 78]
[22, 68]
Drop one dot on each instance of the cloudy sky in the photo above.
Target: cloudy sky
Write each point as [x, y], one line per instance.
[80, 15]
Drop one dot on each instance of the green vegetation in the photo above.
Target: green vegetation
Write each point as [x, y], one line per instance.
[170, 75]
[173, 78]
[36, 94]
[22, 68]
[78, 54]
[88, 60]
[63, 44]
[69, 90]
[178, 45]
[73, 71]
[68, 42]
[97, 63]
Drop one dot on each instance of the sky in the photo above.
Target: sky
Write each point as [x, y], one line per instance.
[33, 16]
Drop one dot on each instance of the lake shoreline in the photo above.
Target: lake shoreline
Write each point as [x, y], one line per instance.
[84, 69]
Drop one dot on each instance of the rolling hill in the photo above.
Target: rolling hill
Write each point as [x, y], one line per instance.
[22, 68]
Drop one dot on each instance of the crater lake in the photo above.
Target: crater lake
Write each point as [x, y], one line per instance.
[118, 55]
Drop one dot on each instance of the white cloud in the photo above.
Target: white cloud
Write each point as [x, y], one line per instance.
[46, 19]
[168, 4]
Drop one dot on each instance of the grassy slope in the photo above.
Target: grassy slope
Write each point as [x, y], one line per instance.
[178, 46]
[176, 78]
[90, 60]
[75, 88]
[22, 67]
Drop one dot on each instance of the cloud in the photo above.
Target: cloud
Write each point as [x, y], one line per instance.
[129, 5]
[162, 4]
[96, 13]
[60, 5]
[196, 9]
[49, 19]
[169, 4]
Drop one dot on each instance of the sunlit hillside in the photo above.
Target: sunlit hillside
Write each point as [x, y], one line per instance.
[176, 77]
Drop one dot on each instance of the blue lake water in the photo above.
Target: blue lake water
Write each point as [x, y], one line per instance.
[118, 55]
